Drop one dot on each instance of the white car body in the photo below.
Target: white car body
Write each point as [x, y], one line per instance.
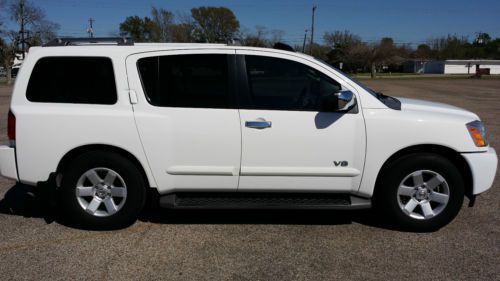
[193, 149]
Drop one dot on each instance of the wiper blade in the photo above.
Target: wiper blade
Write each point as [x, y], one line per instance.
[389, 101]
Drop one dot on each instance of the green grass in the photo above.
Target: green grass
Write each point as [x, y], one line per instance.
[3, 81]
[362, 76]
[388, 74]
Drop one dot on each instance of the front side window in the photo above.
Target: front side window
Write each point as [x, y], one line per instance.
[87, 80]
[199, 81]
[280, 84]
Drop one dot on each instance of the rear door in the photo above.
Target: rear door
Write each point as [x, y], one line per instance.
[288, 142]
[187, 118]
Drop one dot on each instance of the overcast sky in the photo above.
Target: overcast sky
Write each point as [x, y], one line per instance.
[405, 21]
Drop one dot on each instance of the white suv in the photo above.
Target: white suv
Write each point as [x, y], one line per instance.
[217, 126]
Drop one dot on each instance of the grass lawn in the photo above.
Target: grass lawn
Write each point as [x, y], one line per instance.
[3, 81]
[420, 76]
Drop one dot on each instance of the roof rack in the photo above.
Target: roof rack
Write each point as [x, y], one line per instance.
[283, 46]
[120, 41]
[234, 42]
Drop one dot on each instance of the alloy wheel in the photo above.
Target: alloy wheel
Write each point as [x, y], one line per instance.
[101, 192]
[423, 194]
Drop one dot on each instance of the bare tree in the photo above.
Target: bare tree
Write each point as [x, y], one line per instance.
[262, 36]
[41, 32]
[277, 36]
[24, 15]
[183, 29]
[2, 7]
[257, 38]
[163, 20]
[343, 45]
[261, 32]
[449, 47]
[34, 28]
[341, 39]
[376, 55]
[318, 51]
[22, 10]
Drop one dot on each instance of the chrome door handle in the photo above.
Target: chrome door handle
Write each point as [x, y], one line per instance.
[258, 124]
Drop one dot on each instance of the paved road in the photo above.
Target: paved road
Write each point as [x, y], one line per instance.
[262, 245]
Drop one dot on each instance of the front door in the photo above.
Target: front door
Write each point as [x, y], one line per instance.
[288, 143]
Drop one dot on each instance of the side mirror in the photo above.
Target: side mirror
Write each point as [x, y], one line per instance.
[340, 101]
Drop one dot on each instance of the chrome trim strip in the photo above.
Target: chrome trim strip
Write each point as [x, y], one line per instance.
[300, 171]
[203, 170]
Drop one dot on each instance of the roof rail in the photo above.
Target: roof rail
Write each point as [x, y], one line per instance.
[120, 41]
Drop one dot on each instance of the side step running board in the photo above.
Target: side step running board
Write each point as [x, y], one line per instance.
[239, 200]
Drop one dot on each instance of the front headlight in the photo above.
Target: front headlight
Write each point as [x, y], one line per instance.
[477, 133]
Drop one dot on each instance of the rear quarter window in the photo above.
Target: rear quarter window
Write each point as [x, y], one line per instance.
[82, 80]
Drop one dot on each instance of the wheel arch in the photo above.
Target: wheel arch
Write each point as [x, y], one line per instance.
[455, 157]
[75, 152]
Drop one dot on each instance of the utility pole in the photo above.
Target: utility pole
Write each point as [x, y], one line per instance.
[304, 45]
[312, 31]
[90, 29]
[21, 16]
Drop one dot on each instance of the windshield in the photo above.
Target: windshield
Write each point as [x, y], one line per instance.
[389, 101]
[372, 92]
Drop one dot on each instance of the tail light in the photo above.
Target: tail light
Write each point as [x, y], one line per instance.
[11, 126]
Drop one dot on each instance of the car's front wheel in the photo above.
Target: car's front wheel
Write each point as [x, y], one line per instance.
[420, 192]
[102, 190]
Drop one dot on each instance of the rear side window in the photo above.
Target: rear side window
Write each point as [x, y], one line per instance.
[89, 80]
[199, 81]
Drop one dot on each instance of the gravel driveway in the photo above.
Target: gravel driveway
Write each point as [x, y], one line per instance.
[262, 245]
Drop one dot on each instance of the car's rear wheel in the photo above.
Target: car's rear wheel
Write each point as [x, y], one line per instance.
[102, 190]
[420, 192]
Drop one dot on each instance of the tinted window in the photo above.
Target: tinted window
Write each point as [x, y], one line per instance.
[286, 85]
[73, 80]
[186, 80]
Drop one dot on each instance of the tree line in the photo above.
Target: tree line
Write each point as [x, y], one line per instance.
[385, 55]
[342, 49]
[339, 48]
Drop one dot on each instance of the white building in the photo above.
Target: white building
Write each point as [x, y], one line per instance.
[461, 66]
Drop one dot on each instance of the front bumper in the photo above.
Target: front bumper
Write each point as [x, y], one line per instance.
[8, 167]
[483, 167]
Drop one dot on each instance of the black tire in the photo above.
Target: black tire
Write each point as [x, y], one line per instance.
[387, 199]
[128, 173]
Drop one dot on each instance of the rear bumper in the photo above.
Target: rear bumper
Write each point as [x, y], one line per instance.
[8, 167]
[483, 167]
